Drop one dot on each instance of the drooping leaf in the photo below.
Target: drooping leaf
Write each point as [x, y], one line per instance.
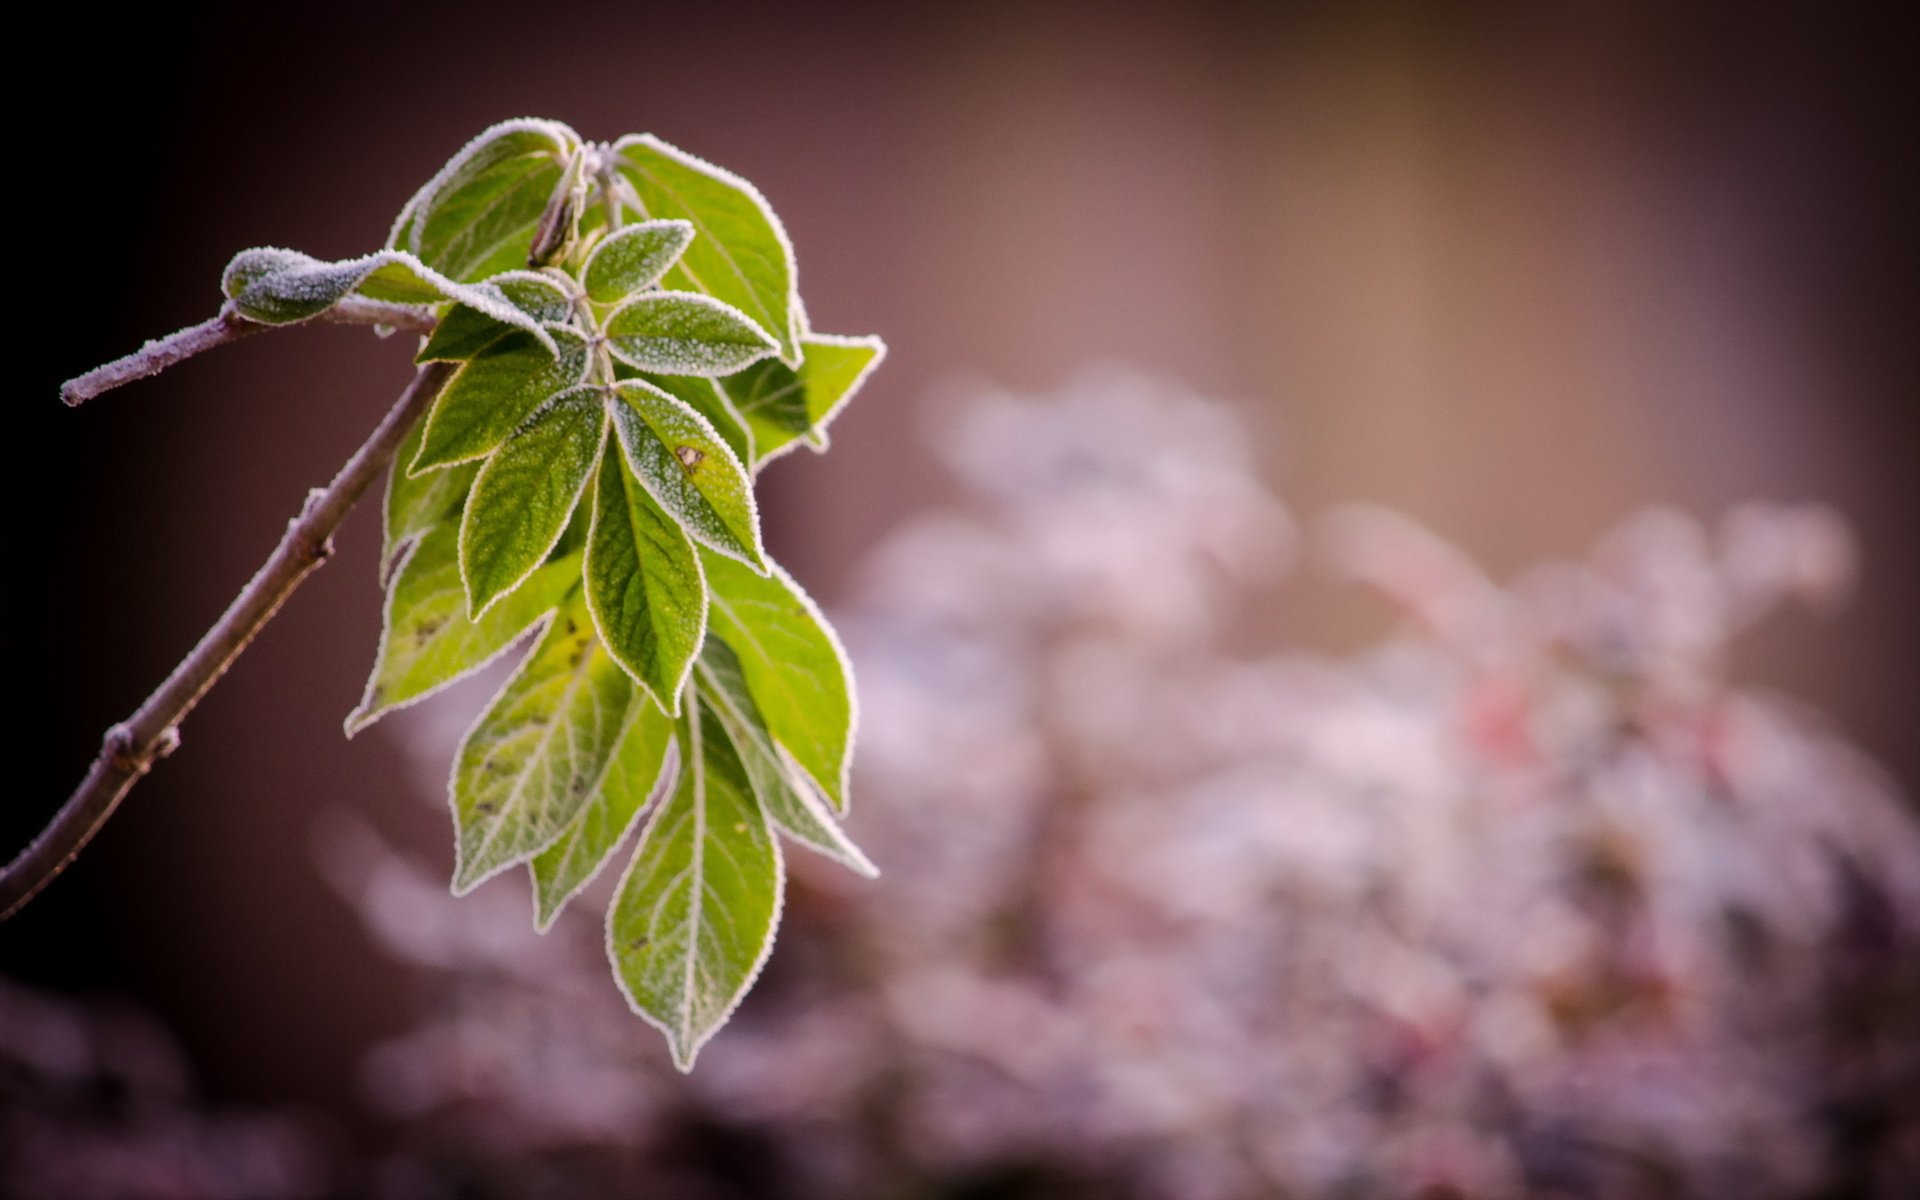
[685, 466]
[782, 405]
[704, 397]
[740, 255]
[541, 749]
[793, 665]
[281, 287]
[696, 912]
[429, 641]
[464, 332]
[526, 493]
[685, 333]
[492, 393]
[417, 503]
[643, 766]
[644, 585]
[784, 793]
[633, 257]
[478, 215]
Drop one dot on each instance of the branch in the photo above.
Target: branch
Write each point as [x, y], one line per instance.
[132, 747]
[156, 356]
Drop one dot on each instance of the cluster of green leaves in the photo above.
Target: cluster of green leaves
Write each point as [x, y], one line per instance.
[631, 350]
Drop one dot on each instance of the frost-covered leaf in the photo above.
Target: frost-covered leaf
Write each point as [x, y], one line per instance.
[740, 254]
[685, 466]
[793, 664]
[428, 640]
[477, 216]
[532, 760]
[633, 257]
[704, 397]
[464, 332]
[695, 915]
[784, 793]
[490, 395]
[685, 333]
[418, 503]
[782, 405]
[644, 585]
[524, 496]
[280, 287]
[642, 768]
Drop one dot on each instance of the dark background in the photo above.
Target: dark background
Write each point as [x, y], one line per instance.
[1518, 269]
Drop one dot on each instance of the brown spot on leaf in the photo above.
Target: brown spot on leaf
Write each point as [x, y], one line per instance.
[690, 457]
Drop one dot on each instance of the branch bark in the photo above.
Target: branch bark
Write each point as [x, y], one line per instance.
[132, 747]
[161, 353]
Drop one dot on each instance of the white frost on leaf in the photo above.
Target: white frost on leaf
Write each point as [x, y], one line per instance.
[280, 287]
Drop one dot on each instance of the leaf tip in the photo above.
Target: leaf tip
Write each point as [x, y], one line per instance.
[684, 1050]
[544, 912]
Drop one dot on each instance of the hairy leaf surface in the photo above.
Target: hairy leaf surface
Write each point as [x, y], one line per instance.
[417, 503]
[524, 496]
[282, 287]
[478, 215]
[688, 469]
[429, 641]
[643, 766]
[782, 405]
[704, 397]
[489, 396]
[784, 792]
[644, 584]
[685, 333]
[464, 332]
[632, 258]
[695, 915]
[740, 254]
[793, 665]
[535, 757]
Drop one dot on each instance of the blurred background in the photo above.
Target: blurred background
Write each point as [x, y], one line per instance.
[1515, 272]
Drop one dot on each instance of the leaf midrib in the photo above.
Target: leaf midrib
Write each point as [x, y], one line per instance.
[579, 675]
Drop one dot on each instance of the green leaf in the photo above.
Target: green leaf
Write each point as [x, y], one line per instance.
[641, 770]
[524, 496]
[644, 585]
[633, 257]
[532, 760]
[464, 332]
[793, 664]
[489, 396]
[704, 397]
[786, 796]
[685, 466]
[781, 405]
[695, 914]
[417, 503]
[282, 287]
[428, 641]
[741, 254]
[478, 215]
[684, 333]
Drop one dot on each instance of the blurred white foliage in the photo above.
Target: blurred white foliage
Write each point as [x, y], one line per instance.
[1527, 900]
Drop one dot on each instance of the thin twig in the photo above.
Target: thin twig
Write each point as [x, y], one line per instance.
[132, 747]
[161, 353]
